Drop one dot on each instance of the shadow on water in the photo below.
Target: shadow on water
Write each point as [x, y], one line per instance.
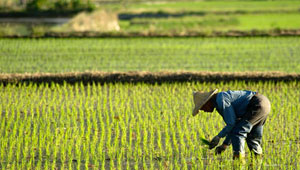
[159, 14]
[49, 21]
[28, 26]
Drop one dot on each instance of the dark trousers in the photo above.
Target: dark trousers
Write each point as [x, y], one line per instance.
[250, 127]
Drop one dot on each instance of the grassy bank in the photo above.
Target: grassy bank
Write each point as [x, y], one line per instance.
[217, 6]
[206, 24]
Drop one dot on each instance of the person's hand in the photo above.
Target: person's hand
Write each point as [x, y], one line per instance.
[214, 142]
[220, 149]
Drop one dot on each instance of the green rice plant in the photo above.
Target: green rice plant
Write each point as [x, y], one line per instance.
[204, 141]
[127, 126]
[150, 54]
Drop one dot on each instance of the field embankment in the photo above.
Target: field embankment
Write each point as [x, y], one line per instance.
[147, 77]
[230, 33]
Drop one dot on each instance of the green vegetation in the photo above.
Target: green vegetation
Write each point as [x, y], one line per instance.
[134, 127]
[59, 5]
[208, 23]
[268, 21]
[208, 16]
[144, 126]
[46, 5]
[150, 54]
[154, 5]
[219, 5]
[154, 18]
[205, 141]
[185, 25]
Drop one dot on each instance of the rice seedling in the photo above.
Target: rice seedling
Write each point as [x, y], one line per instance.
[150, 54]
[127, 126]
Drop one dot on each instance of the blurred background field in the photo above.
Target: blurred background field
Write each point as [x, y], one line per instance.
[150, 54]
[147, 18]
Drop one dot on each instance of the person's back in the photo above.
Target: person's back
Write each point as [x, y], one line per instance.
[237, 99]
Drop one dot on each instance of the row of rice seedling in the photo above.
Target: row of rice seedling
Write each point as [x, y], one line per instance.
[150, 54]
[127, 126]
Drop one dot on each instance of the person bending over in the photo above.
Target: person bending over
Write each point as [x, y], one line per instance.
[244, 112]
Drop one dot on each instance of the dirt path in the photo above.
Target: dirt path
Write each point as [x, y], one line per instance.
[148, 77]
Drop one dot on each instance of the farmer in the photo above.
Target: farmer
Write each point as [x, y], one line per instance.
[244, 112]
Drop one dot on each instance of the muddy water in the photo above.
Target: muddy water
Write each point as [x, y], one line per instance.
[28, 26]
[35, 20]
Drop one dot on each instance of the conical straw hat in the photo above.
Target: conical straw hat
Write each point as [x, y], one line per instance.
[200, 98]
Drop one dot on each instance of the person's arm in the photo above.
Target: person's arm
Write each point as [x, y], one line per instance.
[220, 149]
[229, 118]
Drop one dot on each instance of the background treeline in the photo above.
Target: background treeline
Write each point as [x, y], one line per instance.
[46, 5]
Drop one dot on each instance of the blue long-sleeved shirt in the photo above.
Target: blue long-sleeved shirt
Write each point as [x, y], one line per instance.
[232, 105]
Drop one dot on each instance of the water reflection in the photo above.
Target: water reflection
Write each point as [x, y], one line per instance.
[28, 26]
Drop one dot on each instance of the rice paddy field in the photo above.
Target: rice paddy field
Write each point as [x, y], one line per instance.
[217, 6]
[207, 24]
[141, 126]
[88, 125]
[52, 55]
